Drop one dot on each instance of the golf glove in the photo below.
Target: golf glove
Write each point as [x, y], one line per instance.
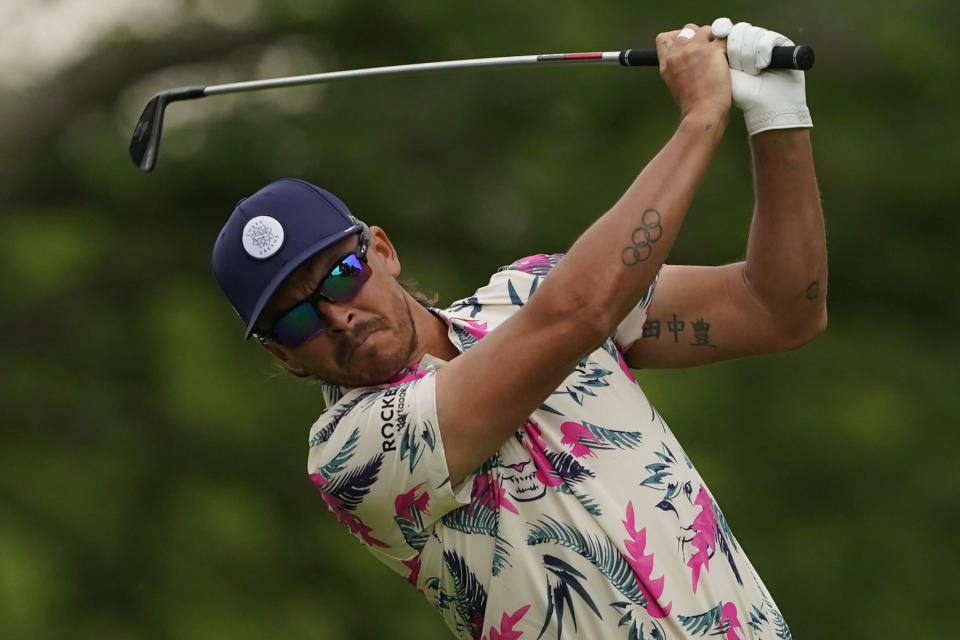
[769, 98]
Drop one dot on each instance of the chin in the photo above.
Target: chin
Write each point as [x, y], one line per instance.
[374, 366]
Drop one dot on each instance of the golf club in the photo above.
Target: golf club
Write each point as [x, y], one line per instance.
[145, 144]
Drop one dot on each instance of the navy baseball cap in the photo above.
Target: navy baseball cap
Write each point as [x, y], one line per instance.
[269, 235]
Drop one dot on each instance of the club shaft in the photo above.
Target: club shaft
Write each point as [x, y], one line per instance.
[314, 78]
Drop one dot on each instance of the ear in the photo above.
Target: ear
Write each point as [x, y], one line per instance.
[382, 248]
[281, 354]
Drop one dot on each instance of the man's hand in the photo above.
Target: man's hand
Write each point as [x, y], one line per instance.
[769, 98]
[693, 66]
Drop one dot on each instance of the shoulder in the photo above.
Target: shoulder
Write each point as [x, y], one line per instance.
[509, 288]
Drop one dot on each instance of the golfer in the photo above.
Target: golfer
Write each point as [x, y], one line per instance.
[498, 454]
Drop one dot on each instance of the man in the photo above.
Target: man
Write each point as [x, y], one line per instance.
[498, 454]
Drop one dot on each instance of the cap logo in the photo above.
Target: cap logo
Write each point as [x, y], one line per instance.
[262, 237]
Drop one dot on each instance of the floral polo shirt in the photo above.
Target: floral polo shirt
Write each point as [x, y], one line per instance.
[589, 522]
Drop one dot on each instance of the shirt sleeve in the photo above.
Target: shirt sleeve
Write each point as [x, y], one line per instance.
[630, 329]
[378, 460]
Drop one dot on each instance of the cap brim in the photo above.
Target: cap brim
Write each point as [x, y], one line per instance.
[289, 268]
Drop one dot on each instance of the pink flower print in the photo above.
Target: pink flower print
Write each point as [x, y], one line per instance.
[407, 375]
[642, 565]
[705, 533]
[491, 494]
[531, 263]
[573, 432]
[476, 329]
[352, 522]
[414, 565]
[538, 448]
[728, 614]
[409, 506]
[506, 631]
[624, 367]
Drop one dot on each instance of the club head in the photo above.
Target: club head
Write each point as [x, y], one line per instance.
[145, 143]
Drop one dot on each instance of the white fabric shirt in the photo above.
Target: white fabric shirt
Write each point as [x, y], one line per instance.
[589, 522]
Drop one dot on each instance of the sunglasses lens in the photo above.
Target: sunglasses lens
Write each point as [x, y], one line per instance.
[342, 284]
[346, 279]
[297, 325]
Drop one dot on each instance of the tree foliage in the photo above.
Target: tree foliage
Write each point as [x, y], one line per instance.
[154, 483]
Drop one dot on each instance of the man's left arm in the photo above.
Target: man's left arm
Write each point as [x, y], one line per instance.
[773, 301]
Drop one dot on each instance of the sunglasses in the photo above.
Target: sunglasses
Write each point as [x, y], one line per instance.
[341, 284]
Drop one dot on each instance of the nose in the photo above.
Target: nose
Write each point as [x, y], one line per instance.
[337, 317]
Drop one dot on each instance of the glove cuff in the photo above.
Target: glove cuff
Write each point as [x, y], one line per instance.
[796, 118]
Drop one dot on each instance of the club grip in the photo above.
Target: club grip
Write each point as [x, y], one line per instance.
[790, 57]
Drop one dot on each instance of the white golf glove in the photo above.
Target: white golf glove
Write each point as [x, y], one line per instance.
[769, 98]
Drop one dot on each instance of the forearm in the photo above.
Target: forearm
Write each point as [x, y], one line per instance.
[786, 261]
[613, 263]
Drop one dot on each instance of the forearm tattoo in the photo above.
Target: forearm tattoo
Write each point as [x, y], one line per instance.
[642, 239]
[813, 290]
[699, 327]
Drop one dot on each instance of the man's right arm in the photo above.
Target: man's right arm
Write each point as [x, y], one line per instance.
[486, 393]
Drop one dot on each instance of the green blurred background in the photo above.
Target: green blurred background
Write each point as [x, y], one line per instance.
[153, 465]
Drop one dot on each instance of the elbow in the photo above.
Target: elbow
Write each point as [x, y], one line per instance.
[797, 334]
[574, 319]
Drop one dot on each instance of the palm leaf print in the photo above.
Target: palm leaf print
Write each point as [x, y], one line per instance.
[549, 409]
[354, 486]
[724, 526]
[414, 536]
[588, 380]
[566, 467]
[782, 630]
[635, 632]
[514, 298]
[413, 440]
[343, 456]
[616, 438]
[442, 600]
[338, 412]
[332, 392]
[471, 303]
[559, 597]
[579, 435]
[725, 550]
[660, 470]
[501, 553]
[474, 517]
[586, 501]
[604, 555]
[757, 617]
[471, 602]
[466, 339]
[726, 540]
[699, 625]
[481, 514]
[610, 348]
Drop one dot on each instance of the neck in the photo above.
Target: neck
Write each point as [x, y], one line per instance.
[431, 335]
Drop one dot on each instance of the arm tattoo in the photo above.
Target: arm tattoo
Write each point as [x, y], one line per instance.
[813, 290]
[642, 239]
[676, 326]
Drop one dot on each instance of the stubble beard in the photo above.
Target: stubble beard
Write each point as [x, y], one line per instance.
[387, 365]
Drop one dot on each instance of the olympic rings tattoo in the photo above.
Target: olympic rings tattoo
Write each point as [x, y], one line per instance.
[642, 239]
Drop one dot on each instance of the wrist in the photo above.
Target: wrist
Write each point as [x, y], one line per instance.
[706, 117]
